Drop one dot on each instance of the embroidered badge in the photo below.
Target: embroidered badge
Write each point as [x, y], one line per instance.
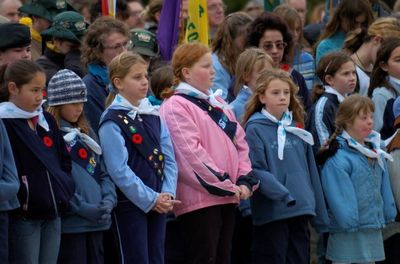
[48, 142]
[92, 161]
[90, 168]
[155, 151]
[132, 129]
[160, 157]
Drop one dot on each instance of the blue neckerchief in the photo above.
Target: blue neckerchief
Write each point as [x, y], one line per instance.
[99, 71]
[395, 83]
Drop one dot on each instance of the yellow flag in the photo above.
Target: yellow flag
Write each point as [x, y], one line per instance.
[197, 25]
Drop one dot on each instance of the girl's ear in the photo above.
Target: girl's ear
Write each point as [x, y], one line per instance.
[117, 84]
[12, 88]
[186, 73]
[383, 65]
[329, 79]
[261, 97]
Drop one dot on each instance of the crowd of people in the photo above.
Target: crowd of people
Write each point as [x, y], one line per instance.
[229, 153]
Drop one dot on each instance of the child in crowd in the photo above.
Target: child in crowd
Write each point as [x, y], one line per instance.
[250, 64]
[42, 162]
[356, 185]
[140, 159]
[161, 79]
[212, 156]
[289, 196]
[90, 212]
[385, 85]
[337, 72]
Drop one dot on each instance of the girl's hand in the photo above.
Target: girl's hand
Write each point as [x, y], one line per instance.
[237, 192]
[164, 203]
[245, 193]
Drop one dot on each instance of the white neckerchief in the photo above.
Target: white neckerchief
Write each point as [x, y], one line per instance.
[376, 152]
[283, 126]
[145, 107]
[185, 88]
[73, 133]
[394, 80]
[329, 89]
[389, 140]
[10, 110]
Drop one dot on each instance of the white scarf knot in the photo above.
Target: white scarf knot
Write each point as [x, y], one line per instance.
[10, 110]
[73, 133]
[145, 107]
[283, 126]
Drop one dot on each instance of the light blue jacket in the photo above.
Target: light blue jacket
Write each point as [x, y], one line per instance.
[239, 104]
[333, 43]
[116, 160]
[357, 191]
[282, 182]
[222, 78]
[9, 183]
[88, 192]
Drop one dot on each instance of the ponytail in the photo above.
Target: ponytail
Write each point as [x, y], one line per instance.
[317, 92]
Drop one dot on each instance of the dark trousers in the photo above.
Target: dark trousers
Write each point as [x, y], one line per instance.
[242, 238]
[392, 250]
[140, 236]
[207, 234]
[3, 236]
[284, 241]
[82, 248]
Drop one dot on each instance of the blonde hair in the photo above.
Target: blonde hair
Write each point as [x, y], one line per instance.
[119, 67]
[185, 56]
[263, 81]
[82, 122]
[247, 61]
[384, 27]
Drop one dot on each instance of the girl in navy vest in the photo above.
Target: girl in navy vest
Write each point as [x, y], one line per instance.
[385, 86]
[43, 165]
[289, 196]
[9, 185]
[90, 214]
[140, 159]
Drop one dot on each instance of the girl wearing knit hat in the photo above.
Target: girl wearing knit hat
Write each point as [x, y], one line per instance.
[94, 199]
[43, 165]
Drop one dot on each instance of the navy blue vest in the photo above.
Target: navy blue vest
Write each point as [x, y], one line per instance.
[141, 136]
[43, 166]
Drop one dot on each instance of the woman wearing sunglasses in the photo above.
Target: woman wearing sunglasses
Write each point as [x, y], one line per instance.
[271, 33]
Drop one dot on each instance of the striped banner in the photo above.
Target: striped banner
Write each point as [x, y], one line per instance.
[108, 7]
[197, 25]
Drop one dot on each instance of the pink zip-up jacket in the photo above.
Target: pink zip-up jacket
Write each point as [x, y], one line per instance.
[204, 153]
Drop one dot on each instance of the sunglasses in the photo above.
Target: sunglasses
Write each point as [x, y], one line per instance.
[280, 45]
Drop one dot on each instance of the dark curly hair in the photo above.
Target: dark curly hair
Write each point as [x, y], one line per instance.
[269, 21]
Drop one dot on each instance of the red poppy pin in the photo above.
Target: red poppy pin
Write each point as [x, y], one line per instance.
[137, 139]
[299, 125]
[82, 153]
[285, 67]
[48, 142]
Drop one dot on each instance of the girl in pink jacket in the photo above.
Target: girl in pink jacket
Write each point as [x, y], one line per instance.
[212, 157]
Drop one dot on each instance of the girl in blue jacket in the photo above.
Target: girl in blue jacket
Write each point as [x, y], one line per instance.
[95, 197]
[140, 159]
[9, 185]
[356, 186]
[43, 165]
[290, 193]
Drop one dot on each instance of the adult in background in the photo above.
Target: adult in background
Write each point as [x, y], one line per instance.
[62, 48]
[105, 38]
[9, 9]
[271, 33]
[17, 45]
[41, 13]
[216, 15]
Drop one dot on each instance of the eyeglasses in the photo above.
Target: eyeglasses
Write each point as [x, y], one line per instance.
[118, 46]
[280, 45]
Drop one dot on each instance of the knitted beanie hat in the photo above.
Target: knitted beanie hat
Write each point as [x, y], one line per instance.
[65, 87]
